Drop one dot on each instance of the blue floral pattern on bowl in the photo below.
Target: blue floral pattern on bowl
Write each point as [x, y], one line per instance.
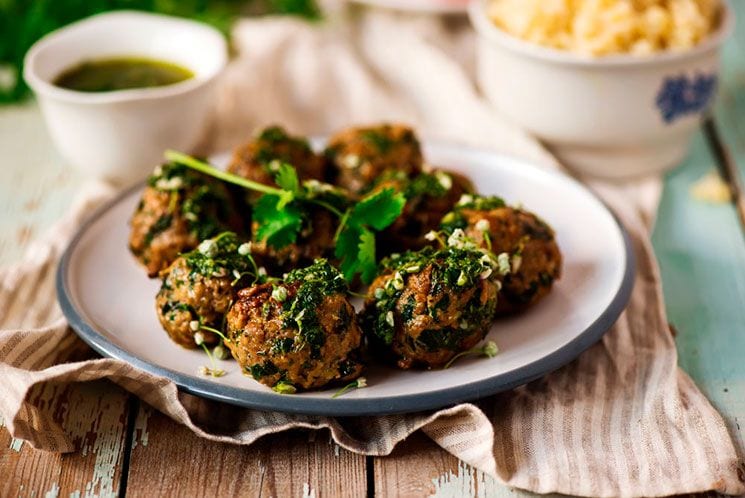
[682, 95]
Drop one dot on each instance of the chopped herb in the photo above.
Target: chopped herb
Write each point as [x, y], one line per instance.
[310, 286]
[210, 371]
[204, 203]
[452, 269]
[382, 142]
[356, 384]
[407, 312]
[455, 219]
[275, 144]
[427, 184]
[489, 350]
[284, 387]
[441, 338]
[263, 370]
[220, 257]
[283, 345]
[160, 225]
[221, 352]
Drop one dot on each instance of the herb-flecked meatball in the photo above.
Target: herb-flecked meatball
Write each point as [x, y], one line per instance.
[300, 332]
[430, 305]
[535, 258]
[429, 197]
[254, 159]
[359, 155]
[199, 287]
[316, 231]
[179, 208]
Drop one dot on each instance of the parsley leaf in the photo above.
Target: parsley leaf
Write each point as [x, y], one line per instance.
[378, 210]
[278, 226]
[355, 247]
[347, 248]
[366, 262]
[286, 177]
[355, 244]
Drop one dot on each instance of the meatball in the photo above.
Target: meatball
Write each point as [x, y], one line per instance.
[535, 258]
[300, 332]
[430, 305]
[179, 208]
[254, 159]
[199, 287]
[316, 234]
[429, 197]
[359, 155]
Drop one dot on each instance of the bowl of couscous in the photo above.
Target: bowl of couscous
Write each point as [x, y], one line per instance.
[616, 88]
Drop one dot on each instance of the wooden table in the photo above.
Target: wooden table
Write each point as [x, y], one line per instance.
[128, 448]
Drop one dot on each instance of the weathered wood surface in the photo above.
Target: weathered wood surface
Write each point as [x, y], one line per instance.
[168, 459]
[35, 185]
[730, 111]
[95, 415]
[418, 467]
[702, 259]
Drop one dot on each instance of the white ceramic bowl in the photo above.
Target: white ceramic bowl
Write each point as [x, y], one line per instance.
[121, 135]
[614, 116]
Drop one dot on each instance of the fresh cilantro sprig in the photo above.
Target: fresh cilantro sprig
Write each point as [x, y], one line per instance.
[355, 238]
[279, 214]
[278, 219]
[208, 169]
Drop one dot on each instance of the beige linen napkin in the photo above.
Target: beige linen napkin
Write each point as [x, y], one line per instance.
[621, 420]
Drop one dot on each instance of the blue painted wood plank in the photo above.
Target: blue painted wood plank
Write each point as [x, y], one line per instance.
[701, 252]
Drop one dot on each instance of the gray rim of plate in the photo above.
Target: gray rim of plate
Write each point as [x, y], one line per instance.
[271, 401]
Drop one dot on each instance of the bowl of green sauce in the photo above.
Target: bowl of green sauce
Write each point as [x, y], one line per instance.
[122, 73]
[117, 89]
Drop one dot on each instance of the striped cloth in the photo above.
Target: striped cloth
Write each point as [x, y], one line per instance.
[621, 420]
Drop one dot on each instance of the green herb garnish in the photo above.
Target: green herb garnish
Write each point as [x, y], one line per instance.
[224, 255]
[355, 239]
[456, 266]
[489, 350]
[455, 219]
[355, 384]
[279, 213]
[300, 312]
[212, 371]
[283, 387]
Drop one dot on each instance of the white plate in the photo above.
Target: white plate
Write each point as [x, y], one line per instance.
[110, 302]
[430, 6]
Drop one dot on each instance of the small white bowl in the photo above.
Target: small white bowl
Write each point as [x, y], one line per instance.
[614, 116]
[121, 135]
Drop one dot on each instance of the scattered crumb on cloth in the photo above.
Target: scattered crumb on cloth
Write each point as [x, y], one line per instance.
[711, 188]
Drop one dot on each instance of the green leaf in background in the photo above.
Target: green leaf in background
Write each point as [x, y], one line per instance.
[302, 8]
[22, 22]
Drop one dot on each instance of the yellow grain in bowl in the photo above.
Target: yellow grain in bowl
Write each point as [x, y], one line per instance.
[604, 27]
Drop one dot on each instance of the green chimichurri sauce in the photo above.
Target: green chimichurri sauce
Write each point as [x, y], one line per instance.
[121, 73]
